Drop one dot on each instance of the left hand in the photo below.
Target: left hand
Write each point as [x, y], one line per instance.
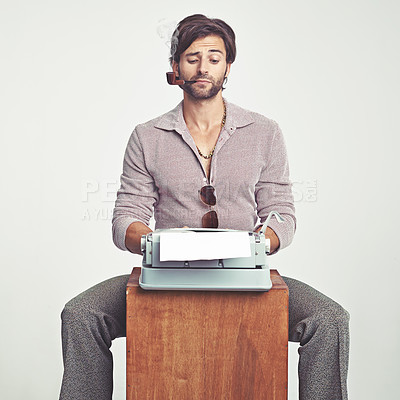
[274, 240]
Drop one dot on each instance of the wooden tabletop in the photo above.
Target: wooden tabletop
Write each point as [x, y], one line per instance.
[277, 282]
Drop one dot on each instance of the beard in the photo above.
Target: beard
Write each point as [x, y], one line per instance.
[201, 93]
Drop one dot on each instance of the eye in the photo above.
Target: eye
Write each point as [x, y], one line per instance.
[214, 61]
[192, 61]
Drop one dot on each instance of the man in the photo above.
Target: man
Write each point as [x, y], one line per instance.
[204, 144]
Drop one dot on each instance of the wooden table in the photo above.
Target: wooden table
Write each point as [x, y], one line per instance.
[203, 345]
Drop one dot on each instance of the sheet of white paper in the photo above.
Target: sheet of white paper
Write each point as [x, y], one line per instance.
[191, 245]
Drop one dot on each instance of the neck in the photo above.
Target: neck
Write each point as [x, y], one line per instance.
[203, 114]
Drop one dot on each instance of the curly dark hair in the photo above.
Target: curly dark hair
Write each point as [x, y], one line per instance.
[199, 26]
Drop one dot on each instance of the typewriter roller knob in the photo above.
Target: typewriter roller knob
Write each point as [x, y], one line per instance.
[143, 244]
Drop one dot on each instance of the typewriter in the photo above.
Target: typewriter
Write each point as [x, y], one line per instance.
[206, 259]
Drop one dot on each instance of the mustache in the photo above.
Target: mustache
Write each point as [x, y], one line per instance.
[207, 77]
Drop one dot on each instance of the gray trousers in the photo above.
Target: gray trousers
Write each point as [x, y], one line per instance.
[94, 318]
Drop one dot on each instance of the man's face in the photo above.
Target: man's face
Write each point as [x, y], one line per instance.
[204, 61]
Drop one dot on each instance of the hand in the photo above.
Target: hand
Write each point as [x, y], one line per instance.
[133, 236]
[274, 240]
[271, 235]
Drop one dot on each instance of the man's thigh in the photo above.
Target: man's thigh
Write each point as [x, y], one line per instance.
[106, 300]
[307, 303]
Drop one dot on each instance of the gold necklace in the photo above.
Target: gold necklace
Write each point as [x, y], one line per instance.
[207, 157]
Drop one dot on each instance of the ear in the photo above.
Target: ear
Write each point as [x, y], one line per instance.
[175, 68]
[228, 69]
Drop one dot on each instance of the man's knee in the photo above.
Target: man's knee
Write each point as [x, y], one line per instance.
[334, 315]
[74, 312]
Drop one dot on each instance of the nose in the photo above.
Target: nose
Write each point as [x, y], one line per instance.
[202, 68]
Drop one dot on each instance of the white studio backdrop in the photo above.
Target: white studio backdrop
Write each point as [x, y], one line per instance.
[77, 76]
